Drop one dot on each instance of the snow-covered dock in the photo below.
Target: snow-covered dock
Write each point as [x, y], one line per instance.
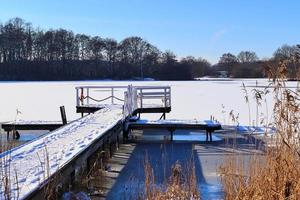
[171, 125]
[28, 167]
[136, 99]
[30, 125]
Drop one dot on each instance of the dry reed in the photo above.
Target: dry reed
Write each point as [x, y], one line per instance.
[276, 173]
[181, 185]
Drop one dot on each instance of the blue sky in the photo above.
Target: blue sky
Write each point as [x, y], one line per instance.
[201, 28]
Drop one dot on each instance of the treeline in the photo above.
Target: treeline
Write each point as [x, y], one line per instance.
[247, 64]
[28, 53]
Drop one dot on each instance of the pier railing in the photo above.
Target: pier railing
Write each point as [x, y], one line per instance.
[131, 97]
[153, 96]
[92, 95]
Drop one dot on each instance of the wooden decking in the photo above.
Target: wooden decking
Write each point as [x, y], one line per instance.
[172, 125]
[30, 126]
[87, 109]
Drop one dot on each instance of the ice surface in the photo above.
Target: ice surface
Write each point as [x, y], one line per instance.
[190, 99]
[29, 161]
[194, 136]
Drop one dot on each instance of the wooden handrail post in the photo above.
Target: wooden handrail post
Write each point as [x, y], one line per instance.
[169, 97]
[82, 96]
[77, 97]
[112, 95]
[165, 93]
[141, 95]
[87, 95]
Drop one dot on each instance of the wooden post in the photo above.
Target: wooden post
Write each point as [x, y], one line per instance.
[165, 93]
[63, 115]
[112, 95]
[82, 96]
[77, 97]
[169, 97]
[141, 94]
[88, 96]
[118, 142]
[171, 132]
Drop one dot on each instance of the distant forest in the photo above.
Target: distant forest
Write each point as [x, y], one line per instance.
[28, 53]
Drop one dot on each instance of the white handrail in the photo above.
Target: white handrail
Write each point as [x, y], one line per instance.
[134, 96]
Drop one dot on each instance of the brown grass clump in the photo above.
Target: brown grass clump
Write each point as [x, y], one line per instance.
[276, 173]
[180, 186]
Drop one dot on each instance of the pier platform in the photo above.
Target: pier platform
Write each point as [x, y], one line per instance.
[31, 125]
[140, 99]
[171, 125]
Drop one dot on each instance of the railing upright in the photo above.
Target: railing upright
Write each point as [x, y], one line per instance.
[88, 95]
[169, 96]
[165, 98]
[135, 99]
[136, 95]
[141, 97]
[112, 95]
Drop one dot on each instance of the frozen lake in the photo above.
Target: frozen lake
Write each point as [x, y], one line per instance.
[190, 99]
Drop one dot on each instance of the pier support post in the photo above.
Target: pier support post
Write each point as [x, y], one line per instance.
[171, 132]
[118, 142]
[206, 135]
[126, 130]
[208, 132]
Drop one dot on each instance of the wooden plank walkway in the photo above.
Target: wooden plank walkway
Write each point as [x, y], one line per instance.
[65, 148]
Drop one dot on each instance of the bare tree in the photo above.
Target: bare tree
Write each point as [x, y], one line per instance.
[247, 57]
[285, 52]
[228, 58]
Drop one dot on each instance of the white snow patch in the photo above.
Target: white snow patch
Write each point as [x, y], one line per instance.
[179, 121]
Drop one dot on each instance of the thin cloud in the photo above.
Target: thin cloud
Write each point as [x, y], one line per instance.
[218, 36]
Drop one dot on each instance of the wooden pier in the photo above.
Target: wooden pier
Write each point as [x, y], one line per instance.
[171, 125]
[98, 134]
[34, 125]
[142, 99]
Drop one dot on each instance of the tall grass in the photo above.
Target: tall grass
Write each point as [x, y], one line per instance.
[8, 174]
[276, 173]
